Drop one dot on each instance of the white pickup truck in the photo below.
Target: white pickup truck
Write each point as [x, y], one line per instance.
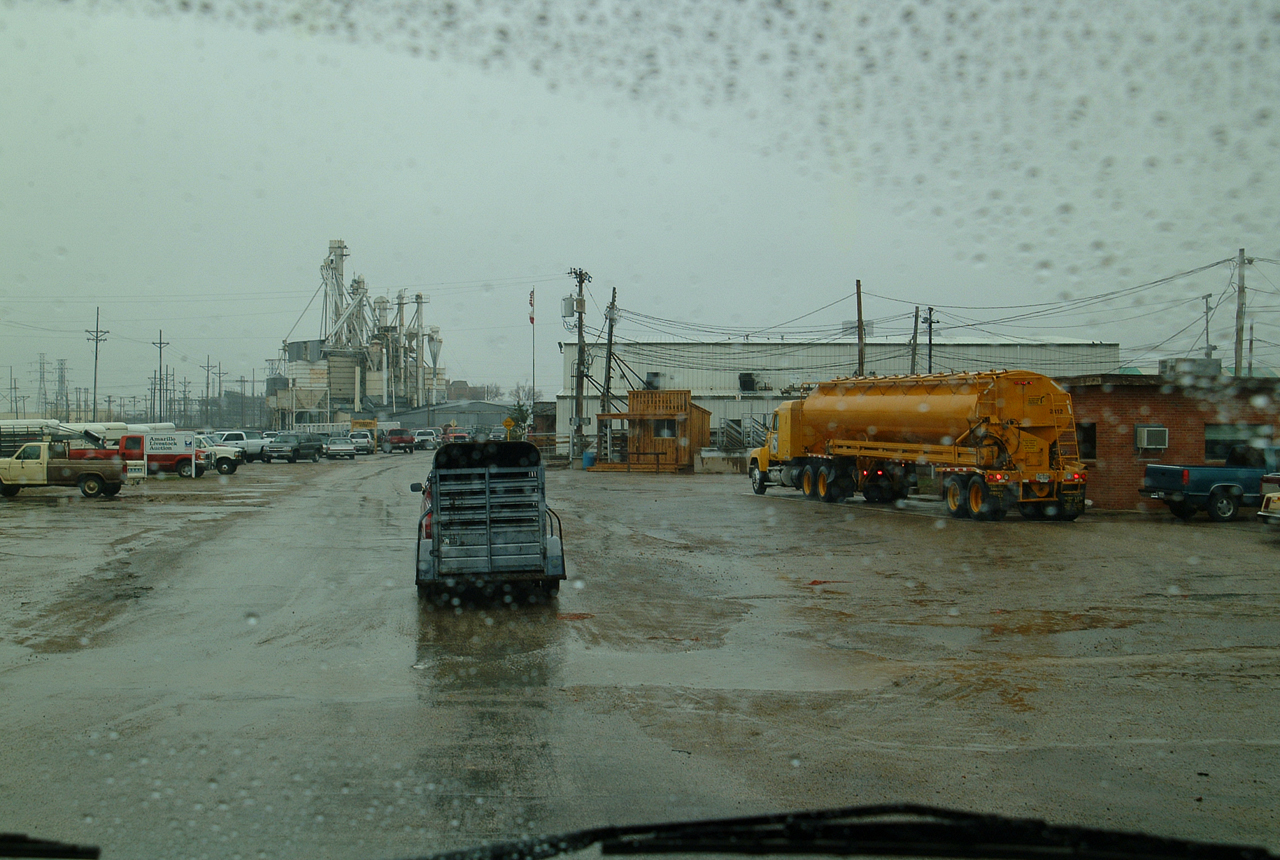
[250, 441]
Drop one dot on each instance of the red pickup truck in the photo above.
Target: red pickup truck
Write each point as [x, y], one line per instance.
[132, 447]
[399, 440]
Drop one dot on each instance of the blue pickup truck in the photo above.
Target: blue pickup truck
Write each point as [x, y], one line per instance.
[1220, 490]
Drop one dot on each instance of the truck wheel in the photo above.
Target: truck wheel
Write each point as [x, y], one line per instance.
[1222, 506]
[1031, 510]
[315, 456]
[184, 469]
[226, 466]
[90, 486]
[293, 457]
[809, 481]
[9, 490]
[980, 501]
[758, 482]
[828, 489]
[955, 497]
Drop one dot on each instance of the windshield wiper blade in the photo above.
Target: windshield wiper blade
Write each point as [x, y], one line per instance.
[22, 845]
[903, 830]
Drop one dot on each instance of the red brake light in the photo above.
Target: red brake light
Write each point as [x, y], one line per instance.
[1186, 477]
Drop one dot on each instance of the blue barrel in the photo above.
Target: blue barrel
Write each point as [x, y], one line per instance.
[588, 459]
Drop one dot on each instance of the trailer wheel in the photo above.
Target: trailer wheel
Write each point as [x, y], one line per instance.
[1223, 506]
[828, 489]
[980, 502]
[809, 481]
[955, 497]
[90, 486]
[758, 482]
[1031, 510]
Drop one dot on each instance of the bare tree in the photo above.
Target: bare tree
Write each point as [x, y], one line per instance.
[522, 393]
[492, 391]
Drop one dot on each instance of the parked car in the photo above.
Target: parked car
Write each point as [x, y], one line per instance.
[250, 440]
[456, 436]
[1220, 490]
[226, 458]
[339, 446]
[425, 440]
[1269, 513]
[398, 440]
[292, 447]
[362, 440]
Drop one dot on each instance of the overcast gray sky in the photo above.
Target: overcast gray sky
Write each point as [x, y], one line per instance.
[727, 165]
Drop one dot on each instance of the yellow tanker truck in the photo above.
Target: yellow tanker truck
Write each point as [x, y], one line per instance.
[998, 440]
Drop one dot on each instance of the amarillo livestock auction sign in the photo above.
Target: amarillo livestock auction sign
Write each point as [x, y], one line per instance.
[177, 442]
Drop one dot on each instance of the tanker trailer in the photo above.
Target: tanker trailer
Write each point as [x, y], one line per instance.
[998, 440]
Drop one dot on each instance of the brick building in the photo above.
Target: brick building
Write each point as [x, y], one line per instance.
[1203, 417]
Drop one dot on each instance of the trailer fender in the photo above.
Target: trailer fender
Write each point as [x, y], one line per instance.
[555, 558]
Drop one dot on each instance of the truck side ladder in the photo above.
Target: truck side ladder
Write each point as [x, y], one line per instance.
[1064, 425]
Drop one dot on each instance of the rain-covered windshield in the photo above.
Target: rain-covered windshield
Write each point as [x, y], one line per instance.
[1023, 564]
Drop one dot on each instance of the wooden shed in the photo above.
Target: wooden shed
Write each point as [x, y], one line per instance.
[662, 432]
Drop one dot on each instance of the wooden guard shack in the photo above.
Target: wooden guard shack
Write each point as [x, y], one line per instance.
[663, 432]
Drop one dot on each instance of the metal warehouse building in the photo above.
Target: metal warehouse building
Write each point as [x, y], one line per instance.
[742, 381]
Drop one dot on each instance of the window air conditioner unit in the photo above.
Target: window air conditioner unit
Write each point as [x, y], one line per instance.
[1151, 437]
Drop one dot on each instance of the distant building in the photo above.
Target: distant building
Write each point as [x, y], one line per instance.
[466, 414]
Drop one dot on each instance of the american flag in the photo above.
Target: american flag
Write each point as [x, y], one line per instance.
[531, 307]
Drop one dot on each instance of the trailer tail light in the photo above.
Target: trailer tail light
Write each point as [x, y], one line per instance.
[1186, 477]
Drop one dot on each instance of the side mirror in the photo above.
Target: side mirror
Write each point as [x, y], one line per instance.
[415, 487]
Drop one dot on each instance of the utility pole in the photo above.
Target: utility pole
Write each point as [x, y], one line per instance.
[220, 373]
[915, 340]
[161, 344]
[862, 333]
[578, 443]
[242, 382]
[1240, 263]
[604, 433]
[1250, 349]
[207, 367]
[97, 336]
[928, 320]
[1208, 347]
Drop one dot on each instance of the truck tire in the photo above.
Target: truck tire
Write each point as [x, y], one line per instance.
[315, 456]
[979, 499]
[90, 486]
[226, 466]
[293, 456]
[1223, 506]
[758, 482]
[184, 469]
[809, 481]
[9, 490]
[828, 489]
[955, 497]
[1031, 510]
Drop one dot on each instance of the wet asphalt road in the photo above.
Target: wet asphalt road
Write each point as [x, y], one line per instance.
[240, 666]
